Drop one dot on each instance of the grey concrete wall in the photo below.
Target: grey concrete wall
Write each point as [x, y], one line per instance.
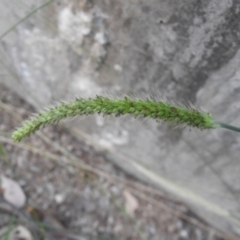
[185, 50]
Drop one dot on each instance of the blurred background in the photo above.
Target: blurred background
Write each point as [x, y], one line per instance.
[96, 178]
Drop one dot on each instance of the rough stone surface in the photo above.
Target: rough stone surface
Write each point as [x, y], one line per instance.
[183, 50]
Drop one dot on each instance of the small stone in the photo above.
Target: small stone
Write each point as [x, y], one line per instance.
[22, 182]
[199, 234]
[85, 31]
[183, 234]
[179, 225]
[101, 38]
[117, 228]
[110, 220]
[12, 192]
[152, 229]
[117, 68]
[51, 189]
[34, 169]
[19, 233]
[115, 189]
[39, 190]
[59, 198]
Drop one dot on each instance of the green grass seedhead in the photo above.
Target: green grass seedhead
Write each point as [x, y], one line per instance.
[169, 113]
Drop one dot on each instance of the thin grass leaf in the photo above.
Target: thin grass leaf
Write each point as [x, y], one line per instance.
[10, 228]
[4, 155]
[24, 18]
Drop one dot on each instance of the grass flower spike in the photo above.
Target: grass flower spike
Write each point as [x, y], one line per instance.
[147, 108]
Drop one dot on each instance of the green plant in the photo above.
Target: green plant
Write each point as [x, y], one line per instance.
[4, 155]
[173, 114]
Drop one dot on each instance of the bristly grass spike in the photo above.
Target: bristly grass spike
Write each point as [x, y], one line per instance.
[174, 114]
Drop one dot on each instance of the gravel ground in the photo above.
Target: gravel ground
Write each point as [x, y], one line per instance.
[67, 202]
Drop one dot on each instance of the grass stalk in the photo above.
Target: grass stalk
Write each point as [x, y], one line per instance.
[24, 18]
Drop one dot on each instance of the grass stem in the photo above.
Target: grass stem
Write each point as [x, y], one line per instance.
[230, 127]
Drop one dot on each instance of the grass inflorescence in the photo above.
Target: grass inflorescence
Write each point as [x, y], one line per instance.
[167, 112]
